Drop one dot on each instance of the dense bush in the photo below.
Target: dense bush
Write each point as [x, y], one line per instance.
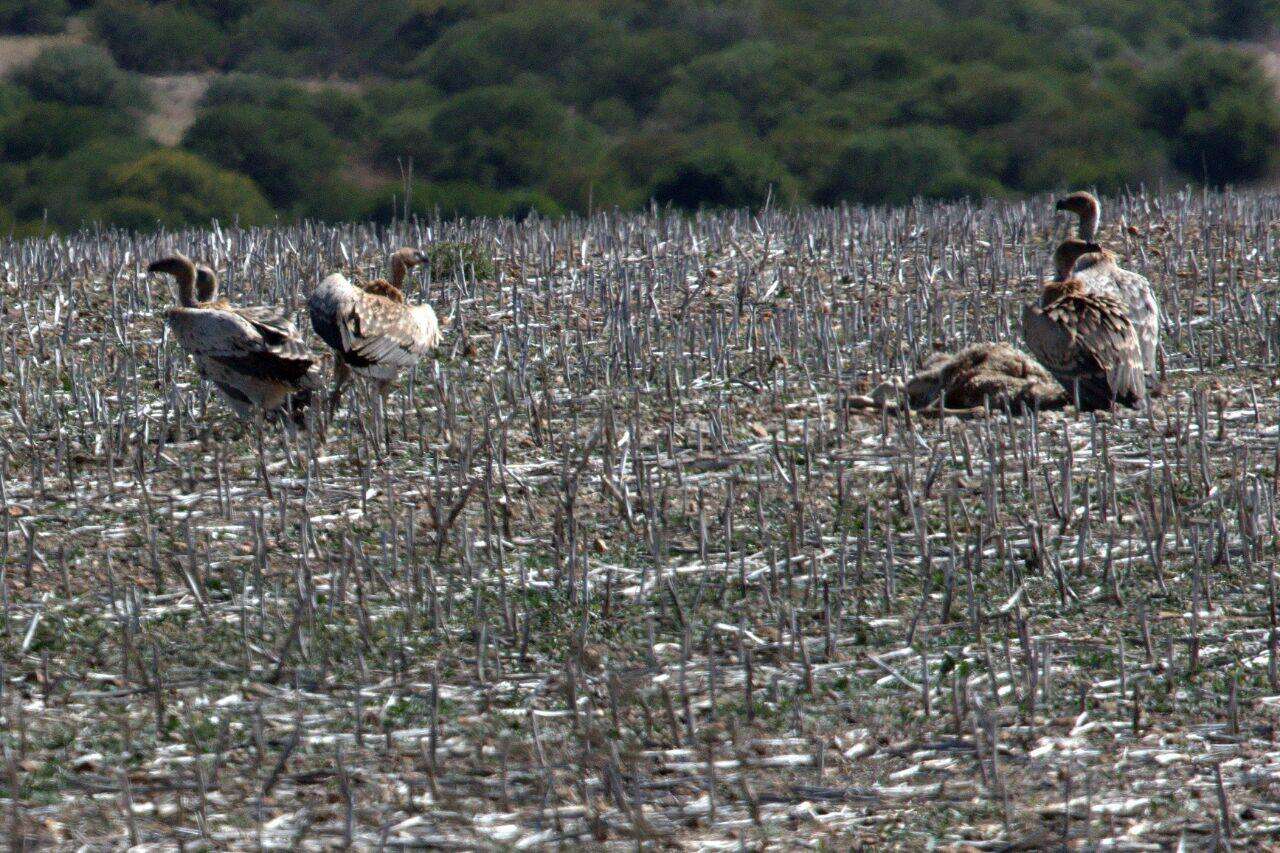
[499, 136]
[286, 152]
[284, 38]
[158, 39]
[82, 75]
[176, 187]
[448, 259]
[546, 106]
[725, 173]
[46, 129]
[32, 16]
[1218, 109]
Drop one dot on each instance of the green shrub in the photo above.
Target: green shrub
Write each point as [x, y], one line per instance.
[538, 38]
[187, 189]
[222, 12]
[65, 191]
[1218, 110]
[504, 137]
[1194, 79]
[158, 39]
[894, 166]
[12, 99]
[32, 16]
[879, 58]
[346, 114]
[82, 75]
[47, 129]
[386, 98]
[255, 90]
[285, 38]
[754, 77]
[1232, 140]
[284, 151]
[724, 173]
[448, 259]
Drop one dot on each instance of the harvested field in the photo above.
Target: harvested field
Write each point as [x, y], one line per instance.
[632, 574]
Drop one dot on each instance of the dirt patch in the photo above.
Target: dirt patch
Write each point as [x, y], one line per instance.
[17, 51]
[174, 100]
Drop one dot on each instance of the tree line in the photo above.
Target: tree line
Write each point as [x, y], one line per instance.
[317, 108]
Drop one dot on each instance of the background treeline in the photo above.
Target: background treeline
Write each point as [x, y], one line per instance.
[315, 109]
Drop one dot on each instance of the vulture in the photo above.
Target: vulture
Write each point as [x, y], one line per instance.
[253, 355]
[1085, 337]
[1100, 273]
[264, 316]
[372, 330]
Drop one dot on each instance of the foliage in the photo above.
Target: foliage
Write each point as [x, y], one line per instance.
[82, 75]
[47, 129]
[32, 16]
[555, 105]
[184, 188]
[1218, 110]
[158, 39]
[284, 151]
[448, 259]
[894, 166]
[725, 173]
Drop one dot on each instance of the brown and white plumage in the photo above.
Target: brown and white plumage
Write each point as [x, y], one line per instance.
[263, 317]
[372, 330]
[1084, 337]
[253, 355]
[1100, 273]
[983, 373]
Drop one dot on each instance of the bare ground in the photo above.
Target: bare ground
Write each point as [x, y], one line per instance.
[174, 99]
[16, 51]
[629, 573]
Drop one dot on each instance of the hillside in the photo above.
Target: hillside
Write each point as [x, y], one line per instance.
[140, 113]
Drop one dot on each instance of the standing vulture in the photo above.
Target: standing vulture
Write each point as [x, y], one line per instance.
[1084, 337]
[372, 330]
[1100, 273]
[263, 316]
[254, 356]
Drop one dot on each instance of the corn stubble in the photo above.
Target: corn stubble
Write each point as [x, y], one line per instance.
[630, 571]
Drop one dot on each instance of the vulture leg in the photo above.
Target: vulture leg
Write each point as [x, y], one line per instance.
[262, 455]
[287, 433]
[381, 415]
[341, 376]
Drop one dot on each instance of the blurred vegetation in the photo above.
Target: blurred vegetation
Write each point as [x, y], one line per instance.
[371, 109]
[449, 259]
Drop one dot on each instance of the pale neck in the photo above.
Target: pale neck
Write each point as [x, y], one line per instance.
[1089, 223]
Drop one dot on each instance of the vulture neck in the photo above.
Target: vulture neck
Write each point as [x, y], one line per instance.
[186, 277]
[207, 289]
[1089, 222]
[398, 270]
